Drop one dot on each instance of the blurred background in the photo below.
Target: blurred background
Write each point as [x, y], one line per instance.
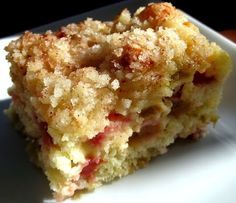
[23, 15]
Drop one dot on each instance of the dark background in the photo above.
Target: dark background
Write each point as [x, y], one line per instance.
[22, 15]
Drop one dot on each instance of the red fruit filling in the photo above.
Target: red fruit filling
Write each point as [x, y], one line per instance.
[89, 170]
[46, 138]
[98, 139]
[116, 117]
[202, 79]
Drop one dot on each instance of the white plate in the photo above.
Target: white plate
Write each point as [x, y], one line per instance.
[197, 172]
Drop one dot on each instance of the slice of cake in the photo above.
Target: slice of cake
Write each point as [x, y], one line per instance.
[99, 99]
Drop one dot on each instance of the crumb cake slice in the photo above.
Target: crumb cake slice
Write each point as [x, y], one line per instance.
[99, 99]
